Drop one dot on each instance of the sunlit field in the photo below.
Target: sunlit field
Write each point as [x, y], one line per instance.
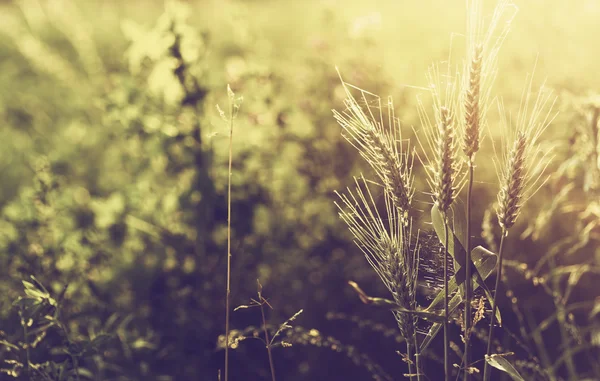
[299, 190]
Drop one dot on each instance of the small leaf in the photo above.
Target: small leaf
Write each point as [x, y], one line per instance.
[501, 363]
[243, 306]
[390, 304]
[9, 345]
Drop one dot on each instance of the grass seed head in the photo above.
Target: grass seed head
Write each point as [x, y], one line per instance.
[444, 191]
[511, 193]
[380, 144]
[472, 131]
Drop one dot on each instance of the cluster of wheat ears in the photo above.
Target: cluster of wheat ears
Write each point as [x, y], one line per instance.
[446, 146]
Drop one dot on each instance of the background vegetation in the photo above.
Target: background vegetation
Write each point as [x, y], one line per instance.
[114, 172]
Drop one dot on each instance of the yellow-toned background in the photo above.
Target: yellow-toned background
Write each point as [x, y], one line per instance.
[112, 183]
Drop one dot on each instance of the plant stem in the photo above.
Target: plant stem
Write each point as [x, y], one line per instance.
[487, 369]
[228, 294]
[267, 340]
[468, 284]
[411, 369]
[417, 357]
[76, 367]
[547, 365]
[561, 317]
[446, 343]
[26, 345]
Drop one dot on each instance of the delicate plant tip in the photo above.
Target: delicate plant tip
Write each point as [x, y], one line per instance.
[230, 94]
[221, 113]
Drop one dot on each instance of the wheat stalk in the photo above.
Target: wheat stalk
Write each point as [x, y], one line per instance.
[479, 77]
[521, 172]
[472, 132]
[444, 170]
[385, 241]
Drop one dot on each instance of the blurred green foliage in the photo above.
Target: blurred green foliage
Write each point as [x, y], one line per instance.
[114, 158]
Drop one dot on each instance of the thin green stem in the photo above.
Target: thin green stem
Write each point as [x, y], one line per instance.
[26, 344]
[468, 283]
[487, 368]
[228, 294]
[267, 340]
[411, 368]
[536, 335]
[417, 357]
[446, 301]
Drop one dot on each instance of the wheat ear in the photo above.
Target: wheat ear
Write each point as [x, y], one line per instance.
[511, 194]
[472, 105]
[444, 190]
[380, 145]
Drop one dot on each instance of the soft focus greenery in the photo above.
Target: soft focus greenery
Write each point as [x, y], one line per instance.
[114, 171]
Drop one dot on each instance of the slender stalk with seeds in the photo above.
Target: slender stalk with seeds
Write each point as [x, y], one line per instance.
[521, 174]
[261, 302]
[234, 105]
[444, 173]
[472, 134]
[479, 77]
[444, 194]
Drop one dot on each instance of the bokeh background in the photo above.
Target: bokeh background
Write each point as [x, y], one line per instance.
[114, 170]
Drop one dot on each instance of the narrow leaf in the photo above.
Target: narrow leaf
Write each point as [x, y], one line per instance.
[391, 305]
[504, 365]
